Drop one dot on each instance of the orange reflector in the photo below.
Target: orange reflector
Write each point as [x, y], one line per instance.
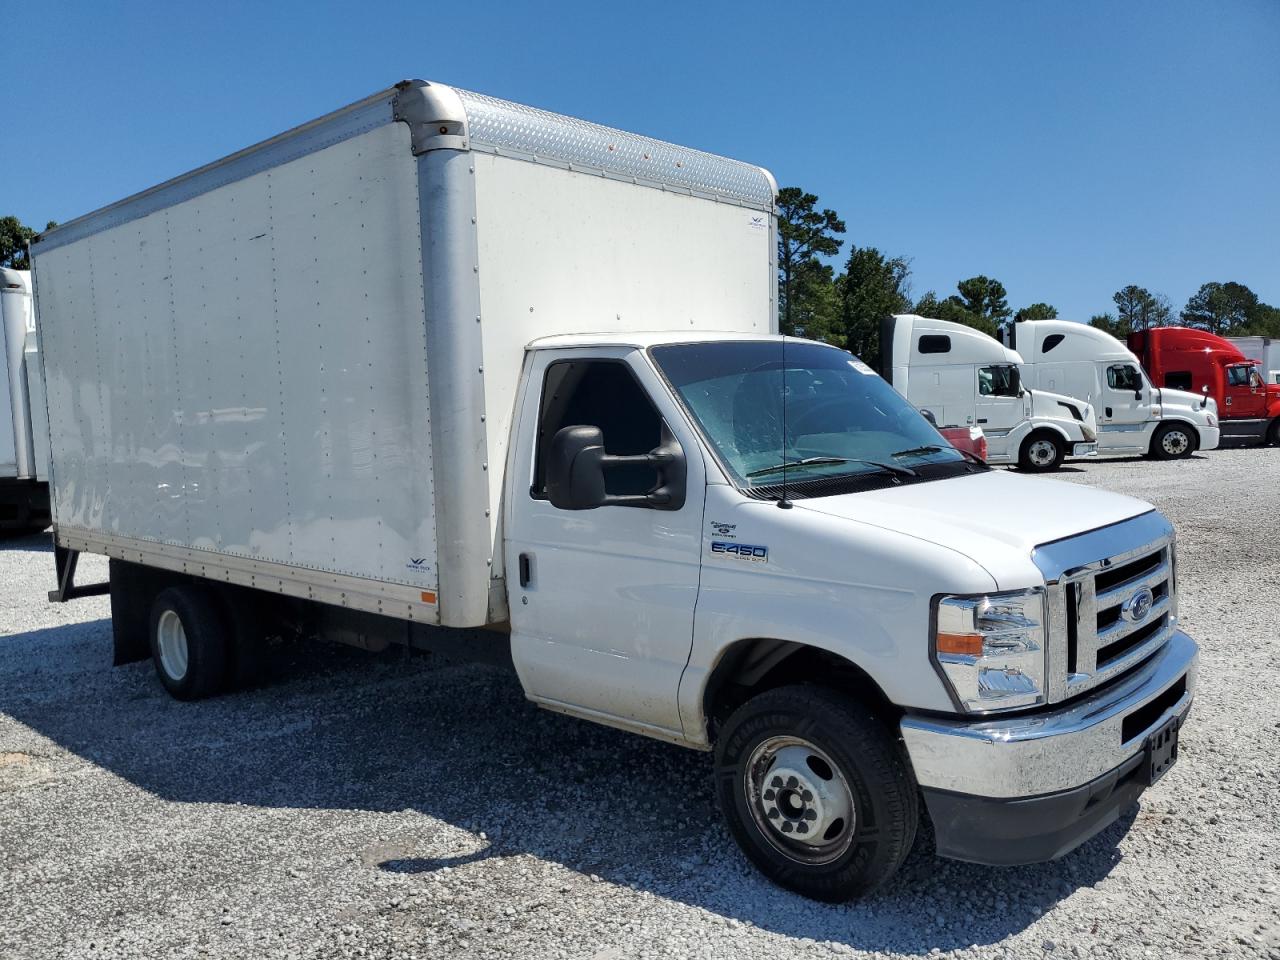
[960, 644]
[428, 596]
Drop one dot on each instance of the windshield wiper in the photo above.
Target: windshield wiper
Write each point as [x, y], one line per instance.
[920, 451]
[811, 461]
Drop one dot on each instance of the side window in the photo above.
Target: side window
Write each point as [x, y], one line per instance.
[935, 343]
[1001, 381]
[1239, 376]
[1051, 341]
[1124, 377]
[604, 394]
[1178, 379]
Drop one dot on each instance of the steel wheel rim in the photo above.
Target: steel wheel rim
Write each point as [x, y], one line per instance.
[171, 641]
[800, 800]
[1042, 452]
[1175, 442]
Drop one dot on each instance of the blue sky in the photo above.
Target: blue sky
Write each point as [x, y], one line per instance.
[1066, 148]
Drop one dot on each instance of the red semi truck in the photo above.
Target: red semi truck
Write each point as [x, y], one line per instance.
[1199, 361]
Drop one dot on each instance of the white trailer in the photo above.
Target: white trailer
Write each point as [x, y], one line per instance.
[24, 494]
[1134, 417]
[439, 360]
[960, 376]
[1265, 351]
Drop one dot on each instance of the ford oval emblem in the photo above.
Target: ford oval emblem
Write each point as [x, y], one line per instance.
[1136, 608]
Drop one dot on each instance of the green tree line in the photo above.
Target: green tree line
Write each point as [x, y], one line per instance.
[845, 308]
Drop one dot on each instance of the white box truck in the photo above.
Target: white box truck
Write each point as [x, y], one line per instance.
[1264, 350]
[443, 361]
[960, 376]
[1134, 417]
[24, 492]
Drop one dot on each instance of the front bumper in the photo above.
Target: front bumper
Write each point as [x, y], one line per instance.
[1209, 437]
[1033, 787]
[1086, 449]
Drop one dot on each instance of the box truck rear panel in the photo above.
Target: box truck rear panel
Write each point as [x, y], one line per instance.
[245, 371]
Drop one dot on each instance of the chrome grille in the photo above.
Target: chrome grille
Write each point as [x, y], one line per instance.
[1112, 601]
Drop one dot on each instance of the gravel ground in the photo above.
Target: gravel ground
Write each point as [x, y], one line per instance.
[403, 806]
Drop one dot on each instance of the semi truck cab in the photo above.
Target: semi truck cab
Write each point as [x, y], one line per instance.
[1134, 416]
[960, 376]
[1201, 362]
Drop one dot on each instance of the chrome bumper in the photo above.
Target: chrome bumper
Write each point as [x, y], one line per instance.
[1052, 750]
[1087, 448]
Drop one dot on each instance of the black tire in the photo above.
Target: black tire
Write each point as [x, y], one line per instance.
[1273, 433]
[1174, 441]
[205, 639]
[1031, 456]
[864, 755]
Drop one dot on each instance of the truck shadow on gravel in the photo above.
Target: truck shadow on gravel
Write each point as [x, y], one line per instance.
[342, 729]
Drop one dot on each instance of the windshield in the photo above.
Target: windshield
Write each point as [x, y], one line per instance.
[841, 418]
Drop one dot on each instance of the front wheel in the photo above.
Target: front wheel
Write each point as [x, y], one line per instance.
[1040, 453]
[1273, 433]
[1173, 441]
[817, 792]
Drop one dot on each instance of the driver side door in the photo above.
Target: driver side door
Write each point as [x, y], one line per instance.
[602, 599]
[997, 412]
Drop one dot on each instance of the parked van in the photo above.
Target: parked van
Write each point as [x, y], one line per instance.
[440, 360]
[1134, 417]
[961, 376]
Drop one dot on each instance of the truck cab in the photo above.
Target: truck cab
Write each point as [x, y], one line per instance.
[961, 376]
[1134, 416]
[24, 492]
[1201, 362]
[697, 526]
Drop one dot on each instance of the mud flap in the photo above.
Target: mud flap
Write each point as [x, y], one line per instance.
[132, 590]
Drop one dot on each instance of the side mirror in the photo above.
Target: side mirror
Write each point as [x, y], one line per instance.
[576, 465]
[1137, 394]
[1205, 390]
[575, 468]
[928, 415]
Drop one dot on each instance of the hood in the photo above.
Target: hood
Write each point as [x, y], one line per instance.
[995, 519]
[1047, 404]
[1168, 396]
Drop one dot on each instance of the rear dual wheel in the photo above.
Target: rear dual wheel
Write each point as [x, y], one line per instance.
[817, 792]
[204, 642]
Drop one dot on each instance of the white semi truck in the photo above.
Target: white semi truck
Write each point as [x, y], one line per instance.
[1134, 417]
[24, 491]
[438, 360]
[959, 375]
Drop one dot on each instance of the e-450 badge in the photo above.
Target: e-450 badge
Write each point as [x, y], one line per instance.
[753, 553]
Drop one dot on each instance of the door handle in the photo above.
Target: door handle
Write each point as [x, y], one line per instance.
[982, 419]
[526, 569]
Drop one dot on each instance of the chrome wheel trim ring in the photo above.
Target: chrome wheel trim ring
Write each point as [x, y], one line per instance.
[1175, 442]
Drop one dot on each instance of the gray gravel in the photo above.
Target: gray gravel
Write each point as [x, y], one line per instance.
[403, 806]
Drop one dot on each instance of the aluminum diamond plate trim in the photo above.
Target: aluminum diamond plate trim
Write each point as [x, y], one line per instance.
[512, 128]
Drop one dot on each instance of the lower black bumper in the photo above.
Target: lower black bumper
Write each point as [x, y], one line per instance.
[1032, 829]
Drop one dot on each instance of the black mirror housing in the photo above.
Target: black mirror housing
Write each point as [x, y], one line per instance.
[576, 464]
[575, 468]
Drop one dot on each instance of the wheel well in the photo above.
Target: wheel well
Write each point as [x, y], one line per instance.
[1187, 425]
[1050, 432]
[750, 667]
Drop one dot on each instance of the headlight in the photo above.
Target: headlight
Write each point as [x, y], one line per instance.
[990, 649]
